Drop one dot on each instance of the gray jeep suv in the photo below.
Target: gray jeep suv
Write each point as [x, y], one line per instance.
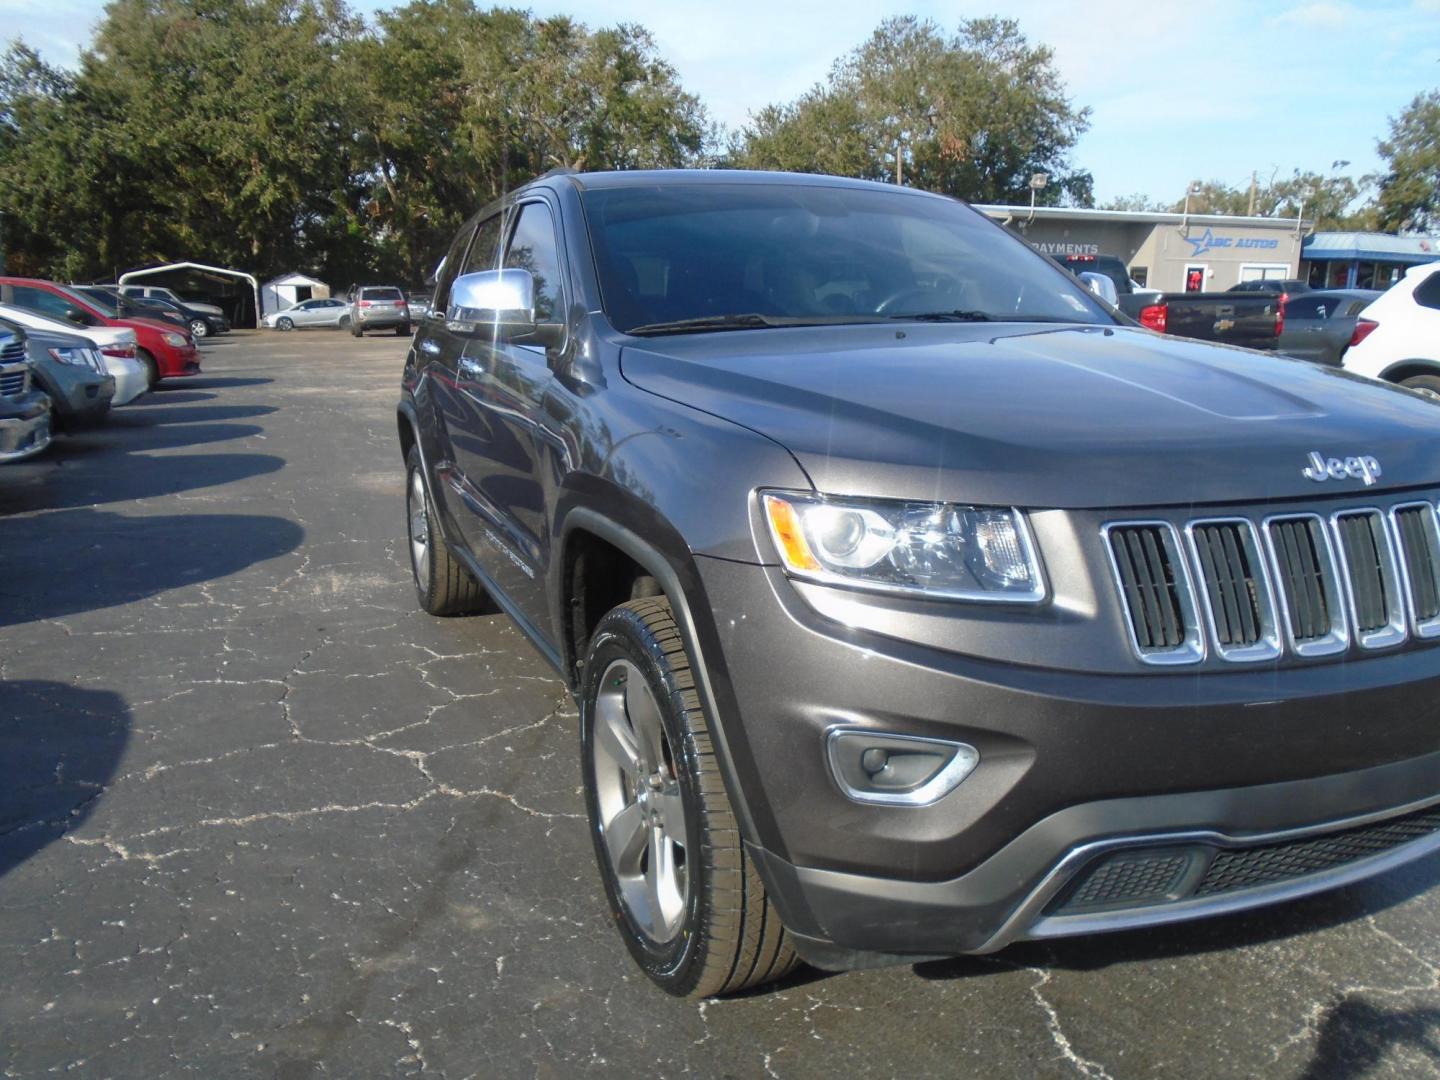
[915, 601]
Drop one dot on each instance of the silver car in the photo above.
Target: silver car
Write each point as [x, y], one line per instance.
[326, 312]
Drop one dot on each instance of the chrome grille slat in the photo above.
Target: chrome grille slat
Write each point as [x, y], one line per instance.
[1367, 563]
[14, 381]
[1235, 586]
[1417, 547]
[1153, 579]
[1293, 583]
[1307, 584]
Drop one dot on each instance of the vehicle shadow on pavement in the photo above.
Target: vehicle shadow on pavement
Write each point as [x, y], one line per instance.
[124, 420]
[1356, 1036]
[1221, 934]
[49, 485]
[172, 397]
[59, 749]
[215, 383]
[94, 559]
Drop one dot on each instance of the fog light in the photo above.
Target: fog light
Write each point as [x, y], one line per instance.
[897, 770]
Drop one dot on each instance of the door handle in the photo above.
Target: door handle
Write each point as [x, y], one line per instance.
[431, 347]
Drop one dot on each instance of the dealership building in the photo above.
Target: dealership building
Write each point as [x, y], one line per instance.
[1170, 252]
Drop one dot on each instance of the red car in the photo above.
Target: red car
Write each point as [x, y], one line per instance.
[166, 351]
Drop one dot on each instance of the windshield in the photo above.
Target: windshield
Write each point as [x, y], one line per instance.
[668, 253]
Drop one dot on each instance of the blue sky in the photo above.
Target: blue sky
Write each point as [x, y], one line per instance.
[1180, 89]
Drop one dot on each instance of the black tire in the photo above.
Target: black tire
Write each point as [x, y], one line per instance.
[344, 323]
[285, 324]
[442, 585]
[152, 369]
[1429, 385]
[730, 937]
[199, 328]
[402, 330]
[356, 330]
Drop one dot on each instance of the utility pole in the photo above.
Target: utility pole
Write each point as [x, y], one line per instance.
[900, 164]
[1254, 178]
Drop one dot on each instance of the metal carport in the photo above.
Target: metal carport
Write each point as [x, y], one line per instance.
[221, 271]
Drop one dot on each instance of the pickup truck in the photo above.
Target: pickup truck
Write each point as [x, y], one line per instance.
[1253, 320]
[24, 408]
[914, 601]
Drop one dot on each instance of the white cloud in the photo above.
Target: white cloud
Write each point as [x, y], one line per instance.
[1324, 15]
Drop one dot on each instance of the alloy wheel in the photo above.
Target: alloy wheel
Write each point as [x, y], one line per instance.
[641, 812]
[419, 518]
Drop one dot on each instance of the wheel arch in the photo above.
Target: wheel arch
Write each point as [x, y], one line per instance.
[407, 423]
[1405, 369]
[663, 556]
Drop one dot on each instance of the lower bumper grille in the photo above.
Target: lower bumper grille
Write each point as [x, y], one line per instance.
[1151, 876]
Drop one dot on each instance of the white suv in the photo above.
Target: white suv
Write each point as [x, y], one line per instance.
[1397, 338]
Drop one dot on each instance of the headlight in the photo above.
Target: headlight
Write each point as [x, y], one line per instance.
[932, 549]
[178, 341]
[77, 357]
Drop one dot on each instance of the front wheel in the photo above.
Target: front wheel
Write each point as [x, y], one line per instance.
[152, 369]
[403, 330]
[199, 328]
[355, 330]
[344, 323]
[685, 896]
[284, 324]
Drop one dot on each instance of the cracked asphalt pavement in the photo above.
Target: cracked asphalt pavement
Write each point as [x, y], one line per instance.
[260, 816]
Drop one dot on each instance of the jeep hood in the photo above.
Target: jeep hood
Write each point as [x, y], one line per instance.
[1044, 416]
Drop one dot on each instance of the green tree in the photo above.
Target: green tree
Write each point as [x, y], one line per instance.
[452, 106]
[1409, 196]
[974, 114]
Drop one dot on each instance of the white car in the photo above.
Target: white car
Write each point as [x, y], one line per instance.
[116, 345]
[327, 312]
[1397, 338]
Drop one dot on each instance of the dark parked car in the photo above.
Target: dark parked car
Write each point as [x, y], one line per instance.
[1276, 287]
[72, 373]
[24, 409]
[200, 322]
[914, 603]
[1320, 324]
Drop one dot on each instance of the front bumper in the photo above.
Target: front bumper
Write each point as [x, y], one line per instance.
[24, 426]
[1073, 766]
[78, 394]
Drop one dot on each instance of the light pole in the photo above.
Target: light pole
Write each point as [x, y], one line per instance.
[1193, 189]
[1037, 181]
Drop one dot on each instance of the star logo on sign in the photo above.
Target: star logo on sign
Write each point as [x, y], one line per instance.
[1202, 243]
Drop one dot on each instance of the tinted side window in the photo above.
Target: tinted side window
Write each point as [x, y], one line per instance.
[486, 248]
[45, 303]
[1427, 293]
[1306, 307]
[532, 247]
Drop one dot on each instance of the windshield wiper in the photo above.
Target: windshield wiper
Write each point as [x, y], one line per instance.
[946, 316]
[747, 321]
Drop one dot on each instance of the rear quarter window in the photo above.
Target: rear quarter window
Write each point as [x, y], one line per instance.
[381, 294]
[1427, 293]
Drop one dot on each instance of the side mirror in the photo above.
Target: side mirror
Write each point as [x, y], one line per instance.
[499, 305]
[1101, 286]
[76, 316]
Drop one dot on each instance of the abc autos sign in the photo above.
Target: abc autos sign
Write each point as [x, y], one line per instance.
[1208, 241]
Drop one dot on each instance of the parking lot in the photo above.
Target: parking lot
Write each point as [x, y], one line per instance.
[258, 815]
